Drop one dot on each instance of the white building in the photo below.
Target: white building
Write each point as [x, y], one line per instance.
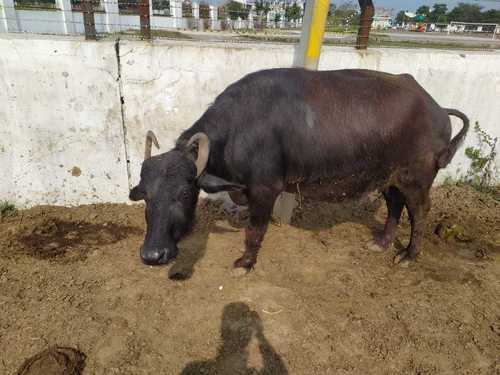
[382, 18]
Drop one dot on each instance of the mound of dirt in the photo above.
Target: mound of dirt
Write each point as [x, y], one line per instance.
[70, 241]
[67, 235]
[56, 360]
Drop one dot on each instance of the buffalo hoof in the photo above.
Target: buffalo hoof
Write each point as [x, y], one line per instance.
[403, 257]
[244, 262]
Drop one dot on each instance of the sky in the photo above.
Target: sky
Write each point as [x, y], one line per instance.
[412, 5]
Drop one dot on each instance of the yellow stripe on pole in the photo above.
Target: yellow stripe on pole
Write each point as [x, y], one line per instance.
[317, 28]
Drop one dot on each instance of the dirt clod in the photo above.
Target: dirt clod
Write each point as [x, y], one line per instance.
[56, 360]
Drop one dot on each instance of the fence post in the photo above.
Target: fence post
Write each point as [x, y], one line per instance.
[365, 23]
[196, 14]
[176, 12]
[88, 20]
[213, 17]
[250, 19]
[9, 16]
[66, 15]
[313, 30]
[112, 16]
[145, 19]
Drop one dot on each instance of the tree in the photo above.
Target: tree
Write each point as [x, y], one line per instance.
[466, 13]
[262, 8]
[293, 12]
[187, 9]
[345, 14]
[401, 17]
[438, 13]
[235, 10]
[424, 10]
[204, 11]
[331, 9]
[491, 16]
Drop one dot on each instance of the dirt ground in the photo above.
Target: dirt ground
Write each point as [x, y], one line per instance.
[318, 302]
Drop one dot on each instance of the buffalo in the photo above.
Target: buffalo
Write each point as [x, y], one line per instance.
[329, 135]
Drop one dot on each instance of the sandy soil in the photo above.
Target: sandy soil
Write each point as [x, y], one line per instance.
[318, 301]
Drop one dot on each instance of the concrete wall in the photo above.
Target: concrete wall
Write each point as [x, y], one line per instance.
[61, 130]
[61, 139]
[40, 21]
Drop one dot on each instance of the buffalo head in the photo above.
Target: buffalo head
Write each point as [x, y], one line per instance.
[170, 184]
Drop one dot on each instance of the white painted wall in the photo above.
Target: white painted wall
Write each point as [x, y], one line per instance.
[60, 109]
[60, 103]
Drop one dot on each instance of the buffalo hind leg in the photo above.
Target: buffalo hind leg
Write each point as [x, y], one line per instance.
[418, 205]
[395, 203]
[260, 204]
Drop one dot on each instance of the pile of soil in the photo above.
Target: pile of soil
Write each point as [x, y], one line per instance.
[56, 360]
[318, 302]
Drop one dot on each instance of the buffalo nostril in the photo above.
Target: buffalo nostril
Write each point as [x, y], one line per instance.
[152, 257]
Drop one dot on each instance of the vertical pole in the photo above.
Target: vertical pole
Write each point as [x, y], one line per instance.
[251, 16]
[213, 17]
[222, 15]
[145, 19]
[88, 20]
[112, 16]
[176, 12]
[365, 23]
[196, 14]
[313, 30]
[66, 15]
[306, 56]
[8, 16]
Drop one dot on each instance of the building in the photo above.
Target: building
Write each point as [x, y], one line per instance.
[382, 18]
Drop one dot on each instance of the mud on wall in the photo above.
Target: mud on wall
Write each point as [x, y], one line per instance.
[65, 104]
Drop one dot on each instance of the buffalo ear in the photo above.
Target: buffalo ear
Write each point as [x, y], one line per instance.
[213, 184]
[137, 194]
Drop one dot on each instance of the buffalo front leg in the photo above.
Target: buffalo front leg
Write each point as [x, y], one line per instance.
[260, 205]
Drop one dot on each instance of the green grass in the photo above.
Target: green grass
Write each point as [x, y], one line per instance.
[37, 7]
[7, 209]
[136, 34]
[169, 34]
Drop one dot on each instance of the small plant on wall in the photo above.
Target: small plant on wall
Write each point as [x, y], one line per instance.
[482, 172]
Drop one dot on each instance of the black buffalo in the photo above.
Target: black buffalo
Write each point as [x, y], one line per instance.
[329, 134]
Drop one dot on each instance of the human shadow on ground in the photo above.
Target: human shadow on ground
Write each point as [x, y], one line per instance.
[239, 324]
